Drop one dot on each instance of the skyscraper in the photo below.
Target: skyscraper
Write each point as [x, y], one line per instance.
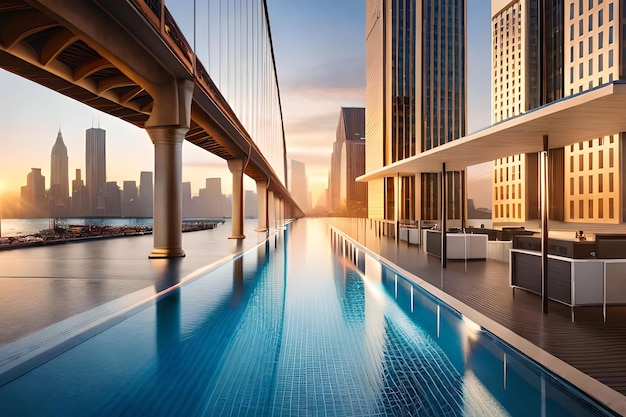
[130, 199]
[59, 182]
[348, 162]
[95, 159]
[298, 184]
[146, 194]
[578, 46]
[79, 196]
[415, 100]
[527, 45]
[33, 195]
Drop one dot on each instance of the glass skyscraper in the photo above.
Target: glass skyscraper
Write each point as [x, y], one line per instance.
[415, 101]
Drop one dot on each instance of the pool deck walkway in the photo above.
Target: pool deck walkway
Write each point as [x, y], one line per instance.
[596, 348]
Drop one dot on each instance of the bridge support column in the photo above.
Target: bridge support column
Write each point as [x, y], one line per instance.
[262, 198]
[236, 168]
[168, 190]
[271, 209]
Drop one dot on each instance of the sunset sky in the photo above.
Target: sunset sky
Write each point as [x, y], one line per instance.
[320, 57]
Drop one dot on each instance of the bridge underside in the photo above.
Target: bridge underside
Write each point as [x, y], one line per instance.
[130, 60]
[42, 49]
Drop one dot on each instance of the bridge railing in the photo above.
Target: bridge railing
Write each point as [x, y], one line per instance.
[162, 20]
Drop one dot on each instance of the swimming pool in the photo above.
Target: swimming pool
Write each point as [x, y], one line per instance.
[292, 329]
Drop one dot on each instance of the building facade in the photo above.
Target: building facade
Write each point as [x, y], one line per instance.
[79, 196]
[59, 181]
[34, 201]
[578, 49]
[96, 174]
[347, 163]
[415, 101]
[146, 194]
[527, 51]
[299, 185]
[130, 199]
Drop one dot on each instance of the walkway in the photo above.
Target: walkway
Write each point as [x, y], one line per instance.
[587, 344]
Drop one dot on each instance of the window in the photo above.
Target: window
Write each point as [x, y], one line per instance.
[590, 4]
[611, 210]
[610, 58]
[580, 7]
[611, 35]
[580, 49]
[571, 186]
[600, 183]
[590, 209]
[571, 10]
[580, 28]
[590, 44]
[601, 159]
[571, 75]
[600, 64]
[610, 182]
[591, 66]
[571, 32]
[581, 209]
[600, 40]
[600, 18]
[611, 158]
[600, 208]
[581, 185]
[581, 164]
[590, 22]
[571, 54]
[610, 12]
[590, 184]
[580, 70]
[571, 163]
[571, 209]
[590, 161]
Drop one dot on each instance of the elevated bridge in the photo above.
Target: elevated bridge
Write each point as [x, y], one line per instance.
[129, 58]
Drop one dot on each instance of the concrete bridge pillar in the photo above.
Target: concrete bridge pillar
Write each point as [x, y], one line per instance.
[168, 190]
[271, 209]
[262, 198]
[168, 122]
[236, 168]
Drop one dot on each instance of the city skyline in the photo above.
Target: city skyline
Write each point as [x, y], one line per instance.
[314, 86]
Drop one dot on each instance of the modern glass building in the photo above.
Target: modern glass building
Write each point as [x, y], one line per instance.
[346, 195]
[415, 101]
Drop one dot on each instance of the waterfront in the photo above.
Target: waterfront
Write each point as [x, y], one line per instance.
[47, 284]
[17, 227]
[289, 329]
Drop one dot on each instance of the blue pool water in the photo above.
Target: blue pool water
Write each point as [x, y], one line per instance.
[292, 329]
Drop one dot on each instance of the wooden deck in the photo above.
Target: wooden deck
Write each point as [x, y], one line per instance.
[588, 344]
